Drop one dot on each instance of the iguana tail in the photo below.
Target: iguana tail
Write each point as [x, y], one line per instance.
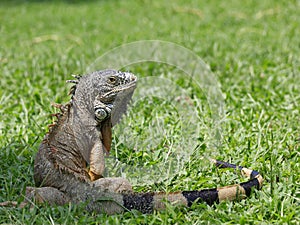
[146, 202]
[111, 203]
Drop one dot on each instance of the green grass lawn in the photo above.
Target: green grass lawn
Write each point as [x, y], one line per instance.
[253, 50]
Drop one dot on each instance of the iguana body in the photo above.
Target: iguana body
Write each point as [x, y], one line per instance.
[70, 162]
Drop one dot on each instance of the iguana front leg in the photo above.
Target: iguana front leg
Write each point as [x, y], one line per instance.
[97, 162]
[101, 147]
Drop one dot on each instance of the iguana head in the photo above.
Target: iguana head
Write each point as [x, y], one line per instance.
[112, 83]
[99, 100]
[105, 92]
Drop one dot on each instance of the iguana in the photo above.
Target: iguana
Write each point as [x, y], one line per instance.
[70, 162]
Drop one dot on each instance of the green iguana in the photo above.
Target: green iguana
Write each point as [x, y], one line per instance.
[70, 162]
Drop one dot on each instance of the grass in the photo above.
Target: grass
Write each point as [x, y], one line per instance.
[252, 47]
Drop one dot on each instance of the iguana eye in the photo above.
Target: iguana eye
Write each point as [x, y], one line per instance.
[112, 80]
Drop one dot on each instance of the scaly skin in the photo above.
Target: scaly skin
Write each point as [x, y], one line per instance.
[81, 137]
[70, 162]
